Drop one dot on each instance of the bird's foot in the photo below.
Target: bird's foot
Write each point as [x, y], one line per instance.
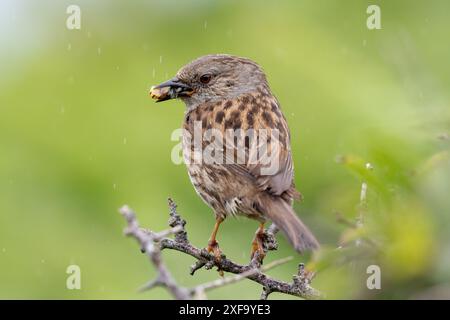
[213, 247]
[258, 251]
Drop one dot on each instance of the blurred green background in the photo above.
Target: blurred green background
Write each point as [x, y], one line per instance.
[79, 137]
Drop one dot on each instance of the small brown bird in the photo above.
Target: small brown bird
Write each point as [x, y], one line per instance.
[223, 93]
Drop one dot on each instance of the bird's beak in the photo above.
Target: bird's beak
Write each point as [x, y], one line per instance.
[170, 89]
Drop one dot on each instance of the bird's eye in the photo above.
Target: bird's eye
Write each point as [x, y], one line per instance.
[205, 78]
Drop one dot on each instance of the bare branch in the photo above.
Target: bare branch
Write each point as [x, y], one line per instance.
[148, 243]
[201, 289]
[154, 243]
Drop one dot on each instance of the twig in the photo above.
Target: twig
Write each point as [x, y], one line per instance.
[148, 243]
[363, 199]
[199, 291]
[362, 211]
[153, 243]
[343, 220]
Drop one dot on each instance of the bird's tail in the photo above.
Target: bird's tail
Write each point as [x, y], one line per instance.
[285, 218]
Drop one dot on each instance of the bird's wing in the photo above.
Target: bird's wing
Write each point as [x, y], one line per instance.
[277, 177]
[262, 113]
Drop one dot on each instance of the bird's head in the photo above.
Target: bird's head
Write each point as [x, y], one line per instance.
[211, 78]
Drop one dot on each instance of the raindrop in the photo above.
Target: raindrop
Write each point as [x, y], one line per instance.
[117, 68]
[153, 72]
[4, 250]
[124, 140]
[364, 42]
[62, 110]
[369, 166]
[43, 261]
[205, 25]
[99, 51]
[160, 59]
[115, 186]
[69, 47]
[89, 34]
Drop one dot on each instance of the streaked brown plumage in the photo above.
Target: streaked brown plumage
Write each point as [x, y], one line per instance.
[227, 92]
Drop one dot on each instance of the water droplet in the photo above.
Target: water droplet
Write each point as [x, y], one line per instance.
[369, 166]
[124, 140]
[3, 250]
[43, 261]
[153, 72]
[205, 24]
[115, 186]
[69, 47]
[160, 59]
[99, 51]
[364, 42]
[62, 110]
[117, 68]
[89, 34]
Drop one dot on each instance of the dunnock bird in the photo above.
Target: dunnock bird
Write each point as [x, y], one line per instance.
[223, 93]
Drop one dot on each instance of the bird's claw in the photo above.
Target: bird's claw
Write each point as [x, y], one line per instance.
[213, 247]
[258, 251]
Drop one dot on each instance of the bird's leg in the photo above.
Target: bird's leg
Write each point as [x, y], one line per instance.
[213, 245]
[258, 243]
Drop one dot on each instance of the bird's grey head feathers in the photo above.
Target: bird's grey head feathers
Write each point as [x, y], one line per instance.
[220, 76]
